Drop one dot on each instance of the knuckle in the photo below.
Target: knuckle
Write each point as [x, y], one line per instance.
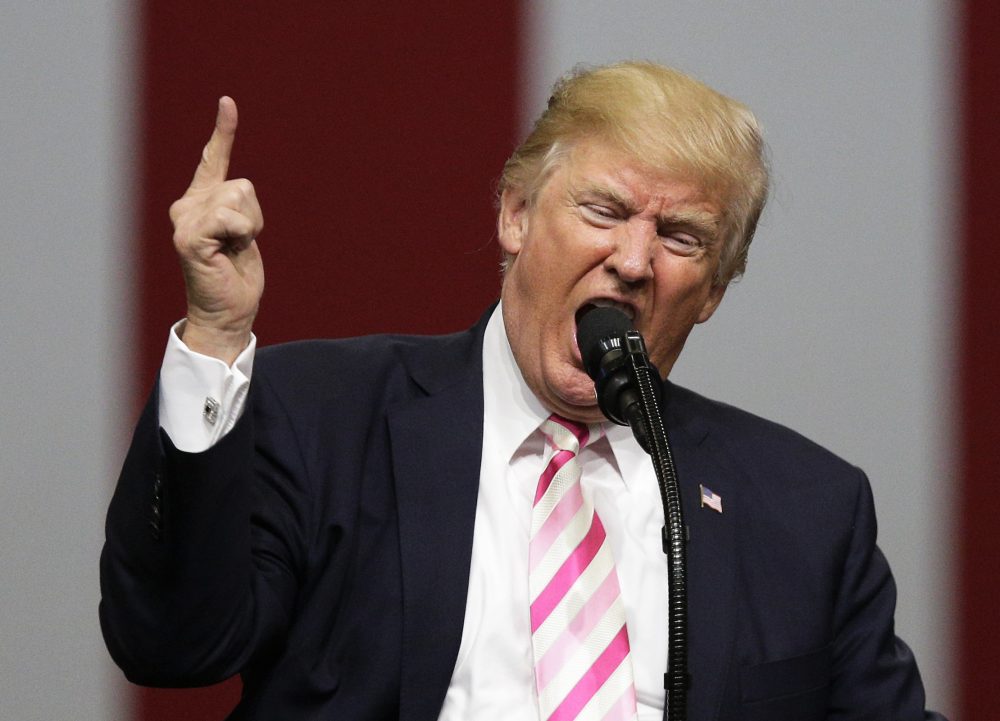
[177, 209]
[244, 186]
[220, 215]
[229, 195]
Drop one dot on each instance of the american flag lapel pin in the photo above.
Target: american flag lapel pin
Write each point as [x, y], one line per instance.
[710, 499]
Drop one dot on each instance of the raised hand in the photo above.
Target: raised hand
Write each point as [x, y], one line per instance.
[216, 223]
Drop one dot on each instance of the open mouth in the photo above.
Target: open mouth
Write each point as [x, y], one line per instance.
[625, 308]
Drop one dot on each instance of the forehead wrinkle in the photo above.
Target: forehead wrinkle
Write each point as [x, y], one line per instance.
[686, 200]
[588, 186]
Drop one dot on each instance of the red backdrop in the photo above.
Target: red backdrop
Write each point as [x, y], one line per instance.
[374, 134]
[979, 367]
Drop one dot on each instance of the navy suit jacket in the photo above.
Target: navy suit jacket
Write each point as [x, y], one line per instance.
[322, 549]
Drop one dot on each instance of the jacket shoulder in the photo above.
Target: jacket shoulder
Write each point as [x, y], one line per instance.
[387, 366]
[758, 445]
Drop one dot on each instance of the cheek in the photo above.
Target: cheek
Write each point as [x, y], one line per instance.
[681, 300]
[549, 262]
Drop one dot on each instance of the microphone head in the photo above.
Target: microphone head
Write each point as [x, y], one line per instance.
[598, 331]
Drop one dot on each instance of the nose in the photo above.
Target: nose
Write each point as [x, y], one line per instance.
[631, 257]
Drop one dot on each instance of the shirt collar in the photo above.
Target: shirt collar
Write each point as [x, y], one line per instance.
[511, 409]
[515, 413]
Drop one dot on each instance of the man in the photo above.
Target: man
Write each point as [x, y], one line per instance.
[424, 528]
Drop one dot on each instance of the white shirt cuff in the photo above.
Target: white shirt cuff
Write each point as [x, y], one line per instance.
[201, 398]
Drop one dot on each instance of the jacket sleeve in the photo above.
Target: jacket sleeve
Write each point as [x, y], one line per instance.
[199, 567]
[874, 673]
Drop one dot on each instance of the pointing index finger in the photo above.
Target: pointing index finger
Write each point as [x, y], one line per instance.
[214, 163]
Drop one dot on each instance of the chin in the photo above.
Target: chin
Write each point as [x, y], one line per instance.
[575, 396]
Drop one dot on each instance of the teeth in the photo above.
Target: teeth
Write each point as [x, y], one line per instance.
[606, 303]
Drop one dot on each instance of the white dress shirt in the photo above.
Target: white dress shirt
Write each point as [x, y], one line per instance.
[493, 678]
[189, 380]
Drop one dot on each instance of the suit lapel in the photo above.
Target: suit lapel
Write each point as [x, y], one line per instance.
[711, 557]
[436, 443]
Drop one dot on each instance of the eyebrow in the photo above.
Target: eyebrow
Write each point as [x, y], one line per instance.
[608, 194]
[700, 222]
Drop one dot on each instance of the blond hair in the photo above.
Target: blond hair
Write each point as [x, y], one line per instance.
[668, 121]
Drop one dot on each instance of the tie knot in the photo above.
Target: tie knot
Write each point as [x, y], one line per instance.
[567, 435]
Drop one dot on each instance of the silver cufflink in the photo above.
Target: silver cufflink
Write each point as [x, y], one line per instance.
[211, 410]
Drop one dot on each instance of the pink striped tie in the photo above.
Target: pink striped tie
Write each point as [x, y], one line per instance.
[583, 669]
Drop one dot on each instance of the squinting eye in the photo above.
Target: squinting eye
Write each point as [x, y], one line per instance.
[601, 211]
[682, 240]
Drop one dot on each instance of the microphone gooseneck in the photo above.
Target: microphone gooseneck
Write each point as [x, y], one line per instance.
[627, 386]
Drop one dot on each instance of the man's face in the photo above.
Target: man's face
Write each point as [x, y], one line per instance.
[604, 228]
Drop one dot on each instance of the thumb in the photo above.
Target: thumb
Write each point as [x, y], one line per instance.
[214, 163]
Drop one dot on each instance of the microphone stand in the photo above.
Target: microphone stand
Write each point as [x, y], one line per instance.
[652, 436]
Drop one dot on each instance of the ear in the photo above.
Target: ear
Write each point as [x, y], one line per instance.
[512, 222]
[712, 302]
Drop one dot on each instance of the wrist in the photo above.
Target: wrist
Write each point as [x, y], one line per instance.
[210, 340]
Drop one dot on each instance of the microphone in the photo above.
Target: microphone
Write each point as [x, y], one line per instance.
[610, 346]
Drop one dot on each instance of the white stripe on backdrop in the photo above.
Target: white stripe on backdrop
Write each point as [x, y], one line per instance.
[842, 326]
[65, 386]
